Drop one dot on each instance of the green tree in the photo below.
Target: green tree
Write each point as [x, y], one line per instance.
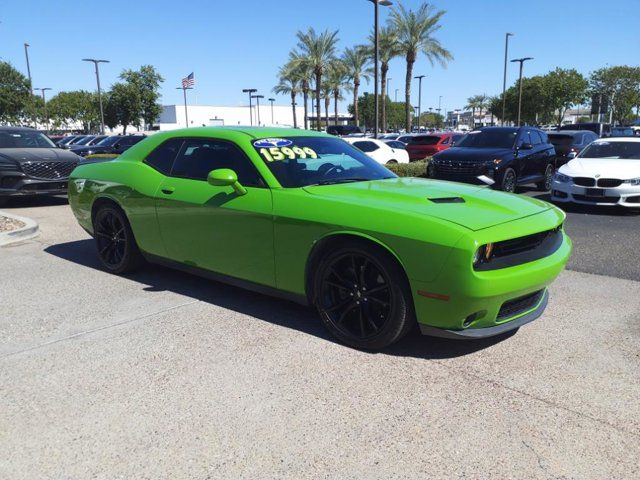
[477, 102]
[415, 30]
[147, 82]
[431, 120]
[303, 74]
[67, 108]
[356, 62]
[15, 95]
[621, 85]
[565, 88]
[336, 82]
[317, 51]
[288, 85]
[123, 106]
[366, 111]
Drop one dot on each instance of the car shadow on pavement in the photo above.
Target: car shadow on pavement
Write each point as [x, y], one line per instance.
[276, 311]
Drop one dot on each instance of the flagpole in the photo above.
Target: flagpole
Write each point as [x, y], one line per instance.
[184, 93]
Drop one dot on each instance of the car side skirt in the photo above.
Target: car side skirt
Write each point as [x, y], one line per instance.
[229, 280]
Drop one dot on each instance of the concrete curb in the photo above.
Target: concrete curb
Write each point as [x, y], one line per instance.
[30, 230]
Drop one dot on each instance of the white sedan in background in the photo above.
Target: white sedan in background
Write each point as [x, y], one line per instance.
[379, 151]
[607, 172]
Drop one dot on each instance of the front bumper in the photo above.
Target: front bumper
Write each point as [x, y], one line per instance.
[462, 302]
[20, 185]
[478, 333]
[625, 195]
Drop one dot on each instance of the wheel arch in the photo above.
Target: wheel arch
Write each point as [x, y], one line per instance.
[335, 239]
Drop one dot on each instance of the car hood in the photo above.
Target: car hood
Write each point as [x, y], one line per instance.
[602, 167]
[482, 206]
[38, 154]
[473, 154]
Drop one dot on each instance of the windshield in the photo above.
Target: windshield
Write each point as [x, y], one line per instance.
[616, 150]
[557, 139]
[424, 140]
[107, 142]
[493, 138]
[622, 132]
[24, 139]
[302, 161]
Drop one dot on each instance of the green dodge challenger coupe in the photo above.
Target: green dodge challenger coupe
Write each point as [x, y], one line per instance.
[307, 216]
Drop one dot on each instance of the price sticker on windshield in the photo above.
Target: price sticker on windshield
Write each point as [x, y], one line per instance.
[272, 150]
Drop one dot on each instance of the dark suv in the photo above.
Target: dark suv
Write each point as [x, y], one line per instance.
[510, 156]
[31, 164]
[343, 130]
[115, 144]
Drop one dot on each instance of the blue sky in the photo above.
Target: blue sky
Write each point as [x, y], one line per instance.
[232, 45]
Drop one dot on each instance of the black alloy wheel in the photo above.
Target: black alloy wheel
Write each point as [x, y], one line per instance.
[362, 299]
[545, 185]
[116, 245]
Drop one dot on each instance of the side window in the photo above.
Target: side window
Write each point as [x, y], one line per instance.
[198, 156]
[366, 146]
[162, 157]
[445, 141]
[526, 138]
[544, 137]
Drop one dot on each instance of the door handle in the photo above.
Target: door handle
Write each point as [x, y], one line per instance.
[168, 190]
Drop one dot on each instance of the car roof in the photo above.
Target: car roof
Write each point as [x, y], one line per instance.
[618, 139]
[570, 132]
[505, 129]
[254, 132]
[17, 129]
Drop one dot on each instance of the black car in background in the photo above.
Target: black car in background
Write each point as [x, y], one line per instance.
[600, 129]
[30, 164]
[75, 141]
[568, 143]
[510, 156]
[66, 140]
[343, 130]
[88, 141]
[114, 144]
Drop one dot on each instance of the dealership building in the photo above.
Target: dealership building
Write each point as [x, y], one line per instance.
[173, 116]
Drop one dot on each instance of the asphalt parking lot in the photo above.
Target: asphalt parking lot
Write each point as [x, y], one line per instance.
[165, 375]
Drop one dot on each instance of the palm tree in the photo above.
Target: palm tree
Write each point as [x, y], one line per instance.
[317, 51]
[477, 102]
[415, 31]
[388, 49]
[356, 62]
[304, 74]
[335, 82]
[288, 85]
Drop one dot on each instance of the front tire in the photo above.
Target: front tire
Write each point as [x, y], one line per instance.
[362, 296]
[545, 185]
[117, 248]
[509, 181]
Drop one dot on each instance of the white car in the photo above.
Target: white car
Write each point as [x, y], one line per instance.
[379, 151]
[607, 172]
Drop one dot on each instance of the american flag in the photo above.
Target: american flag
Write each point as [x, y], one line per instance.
[188, 81]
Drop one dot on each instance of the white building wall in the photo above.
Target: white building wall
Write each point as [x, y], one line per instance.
[173, 116]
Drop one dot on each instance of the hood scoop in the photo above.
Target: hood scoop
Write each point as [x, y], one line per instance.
[447, 200]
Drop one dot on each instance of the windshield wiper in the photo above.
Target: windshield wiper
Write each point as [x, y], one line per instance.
[341, 180]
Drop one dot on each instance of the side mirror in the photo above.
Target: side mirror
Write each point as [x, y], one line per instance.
[526, 146]
[572, 155]
[225, 177]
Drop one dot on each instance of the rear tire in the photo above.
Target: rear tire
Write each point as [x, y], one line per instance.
[116, 245]
[363, 297]
[545, 185]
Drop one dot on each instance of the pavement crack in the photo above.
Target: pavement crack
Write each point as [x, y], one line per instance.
[98, 329]
[539, 399]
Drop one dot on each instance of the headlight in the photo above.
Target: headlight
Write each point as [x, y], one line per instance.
[494, 162]
[634, 181]
[483, 254]
[559, 177]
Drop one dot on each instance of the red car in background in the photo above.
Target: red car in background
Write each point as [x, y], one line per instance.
[423, 146]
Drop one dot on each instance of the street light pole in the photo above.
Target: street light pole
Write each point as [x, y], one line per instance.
[419, 77]
[504, 78]
[44, 101]
[250, 91]
[376, 68]
[396, 97]
[521, 61]
[184, 94]
[96, 62]
[271, 100]
[258, 97]
[26, 54]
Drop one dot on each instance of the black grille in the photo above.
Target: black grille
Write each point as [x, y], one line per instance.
[48, 170]
[609, 182]
[521, 244]
[584, 198]
[584, 181]
[446, 167]
[519, 305]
